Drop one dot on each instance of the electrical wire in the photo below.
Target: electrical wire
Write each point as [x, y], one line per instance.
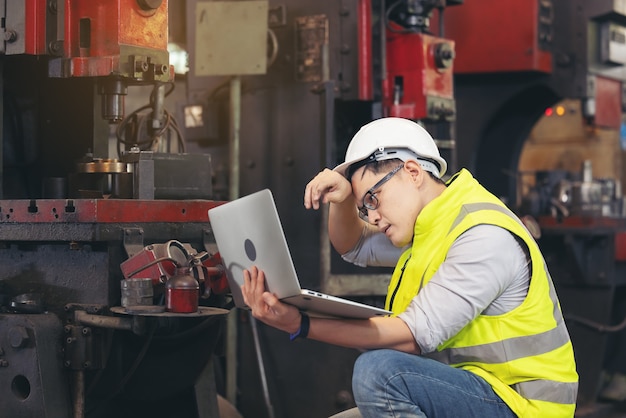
[152, 263]
[272, 58]
[132, 124]
[596, 325]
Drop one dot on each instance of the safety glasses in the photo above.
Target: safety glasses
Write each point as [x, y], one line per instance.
[370, 201]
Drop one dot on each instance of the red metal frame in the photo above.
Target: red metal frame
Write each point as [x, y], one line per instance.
[608, 97]
[364, 28]
[35, 27]
[104, 211]
[114, 23]
[411, 56]
[608, 225]
[496, 36]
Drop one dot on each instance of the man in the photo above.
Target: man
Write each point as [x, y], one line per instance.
[477, 329]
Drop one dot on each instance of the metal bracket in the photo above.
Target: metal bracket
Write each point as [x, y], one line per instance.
[133, 241]
[208, 240]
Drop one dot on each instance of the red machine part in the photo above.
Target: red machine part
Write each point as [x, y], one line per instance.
[218, 281]
[419, 82]
[500, 36]
[35, 27]
[119, 37]
[59, 211]
[364, 28]
[173, 256]
[144, 264]
[614, 226]
[620, 246]
[608, 97]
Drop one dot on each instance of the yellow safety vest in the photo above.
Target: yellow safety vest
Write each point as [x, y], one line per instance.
[526, 354]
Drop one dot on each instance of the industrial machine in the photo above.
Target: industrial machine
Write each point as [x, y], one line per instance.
[102, 207]
[78, 335]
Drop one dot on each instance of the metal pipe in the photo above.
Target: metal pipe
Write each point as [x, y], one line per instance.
[79, 393]
[259, 358]
[102, 321]
[235, 124]
[158, 117]
[233, 193]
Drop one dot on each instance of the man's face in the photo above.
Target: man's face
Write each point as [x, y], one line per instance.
[396, 202]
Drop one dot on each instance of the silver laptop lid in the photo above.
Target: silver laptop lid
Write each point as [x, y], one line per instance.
[248, 232]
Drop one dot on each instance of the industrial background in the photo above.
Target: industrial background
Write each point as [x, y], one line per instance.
[124, 121]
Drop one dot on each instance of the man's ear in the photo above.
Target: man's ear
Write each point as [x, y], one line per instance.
[415, 170]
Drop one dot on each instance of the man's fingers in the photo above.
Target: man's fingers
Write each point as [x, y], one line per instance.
[253, 280]
[307, 196]
[312, 195]
[317, 190]
[271, 300]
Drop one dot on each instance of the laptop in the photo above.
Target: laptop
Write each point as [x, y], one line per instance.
[248, 232]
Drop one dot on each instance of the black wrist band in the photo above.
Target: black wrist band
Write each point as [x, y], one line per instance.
[303, 331]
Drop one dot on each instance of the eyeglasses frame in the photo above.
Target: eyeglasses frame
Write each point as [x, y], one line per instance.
[363, 214]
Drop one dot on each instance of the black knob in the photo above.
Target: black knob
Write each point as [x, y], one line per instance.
[149, 4]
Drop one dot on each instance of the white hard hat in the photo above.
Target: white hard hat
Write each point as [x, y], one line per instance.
[375, 140]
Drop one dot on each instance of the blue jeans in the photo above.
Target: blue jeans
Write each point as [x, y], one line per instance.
[389, 383]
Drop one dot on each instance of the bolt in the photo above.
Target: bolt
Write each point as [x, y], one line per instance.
[141, 66]
[87, 364]
[67, 363]
[10, 36]
[18, 337]
[86, 331]
[161, 69]
[55, 47]
[149, 4]
[4, 363]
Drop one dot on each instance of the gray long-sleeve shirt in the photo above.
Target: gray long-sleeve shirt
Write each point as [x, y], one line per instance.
[485, 271]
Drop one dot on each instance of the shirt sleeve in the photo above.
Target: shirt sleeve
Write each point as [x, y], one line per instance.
[486, 271]
[373, 249]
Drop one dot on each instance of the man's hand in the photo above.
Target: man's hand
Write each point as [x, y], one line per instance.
[327, 187]
[265, 306]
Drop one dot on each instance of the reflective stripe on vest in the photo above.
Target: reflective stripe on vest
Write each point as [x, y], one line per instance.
[494, 353]
[548, 391]
[475, 207]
